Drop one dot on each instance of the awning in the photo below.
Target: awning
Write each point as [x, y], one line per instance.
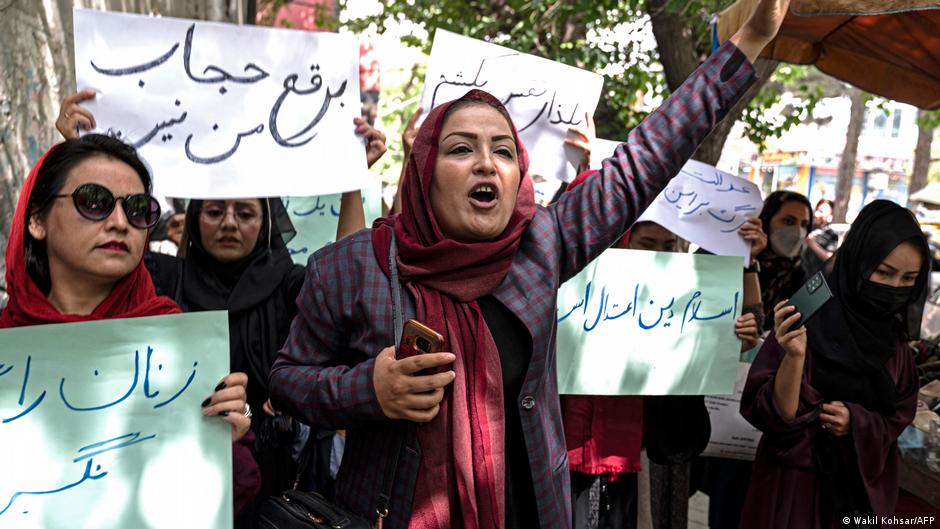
[888, 48]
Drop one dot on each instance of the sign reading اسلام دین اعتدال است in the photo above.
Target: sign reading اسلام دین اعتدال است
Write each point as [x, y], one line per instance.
[636, 322]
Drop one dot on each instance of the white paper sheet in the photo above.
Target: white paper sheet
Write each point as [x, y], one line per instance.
[706, 206]
[635, 322]
[732, 436]
[102, 425]
[225, 111]
[545, 98]
[601, 149]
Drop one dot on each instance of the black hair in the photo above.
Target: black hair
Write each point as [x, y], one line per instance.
[51, 178]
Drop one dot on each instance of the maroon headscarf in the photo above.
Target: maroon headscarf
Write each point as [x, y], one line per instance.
[131, 297]
[462, 479]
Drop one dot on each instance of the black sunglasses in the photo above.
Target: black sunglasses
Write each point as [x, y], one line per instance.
[96, 202]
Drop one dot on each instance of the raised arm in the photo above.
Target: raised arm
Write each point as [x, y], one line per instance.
[789, 376]
[761, 27]
[590, 218]
[407, 140]
[352, 216]
[73, 117]
[750, 322]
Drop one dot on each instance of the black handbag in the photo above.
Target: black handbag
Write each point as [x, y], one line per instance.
[294, 509]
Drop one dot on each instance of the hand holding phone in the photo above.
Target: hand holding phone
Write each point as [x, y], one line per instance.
[810, 298]
[402, 388]
[791, 314]
[417, 338]
[793, 341]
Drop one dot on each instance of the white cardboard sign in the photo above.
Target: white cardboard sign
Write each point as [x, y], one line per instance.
[601, 149]
[545, 98]
[225, 111]
[732, 436]
[701, 204]
[706, 206]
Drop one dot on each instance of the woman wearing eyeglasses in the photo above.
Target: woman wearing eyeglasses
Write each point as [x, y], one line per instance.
[75, 254]
[236, 259]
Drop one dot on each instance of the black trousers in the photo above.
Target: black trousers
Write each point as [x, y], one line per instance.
[598, 503]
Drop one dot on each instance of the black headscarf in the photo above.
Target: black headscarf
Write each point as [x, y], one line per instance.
[779, 276]
[776, 200]
[258, 292]
[852, 343]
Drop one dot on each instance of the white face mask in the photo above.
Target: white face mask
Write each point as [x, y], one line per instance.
[788, 242]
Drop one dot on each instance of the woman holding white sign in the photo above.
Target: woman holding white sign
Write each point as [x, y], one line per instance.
[75, 254]
[480, 264]
[833, 396]
[605, 434]
[236, 259]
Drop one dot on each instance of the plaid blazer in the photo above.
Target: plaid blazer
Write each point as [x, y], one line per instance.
[324, 371]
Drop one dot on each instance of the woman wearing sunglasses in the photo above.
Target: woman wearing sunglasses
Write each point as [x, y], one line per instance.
[75, 254]
[235, 258]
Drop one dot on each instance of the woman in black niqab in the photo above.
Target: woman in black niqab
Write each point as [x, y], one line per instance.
[810, 470]
[854, 338]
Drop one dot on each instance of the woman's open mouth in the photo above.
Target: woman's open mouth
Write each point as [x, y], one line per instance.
[229, 242]
[484, 196]
[114, 246]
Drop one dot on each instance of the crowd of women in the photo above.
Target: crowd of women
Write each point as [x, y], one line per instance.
[476, 435]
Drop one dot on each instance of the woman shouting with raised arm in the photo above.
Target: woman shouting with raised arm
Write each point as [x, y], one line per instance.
[478, 423]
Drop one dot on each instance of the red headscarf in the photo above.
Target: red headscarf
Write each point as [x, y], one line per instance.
[463, 448]
[133, 295]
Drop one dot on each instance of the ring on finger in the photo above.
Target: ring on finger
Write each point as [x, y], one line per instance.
[247, 410]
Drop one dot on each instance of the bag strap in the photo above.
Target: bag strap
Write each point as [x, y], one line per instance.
[391, 467]
[180, 270]
[306, 455]
[398, 316]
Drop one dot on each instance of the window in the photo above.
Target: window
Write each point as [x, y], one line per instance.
[896, 126]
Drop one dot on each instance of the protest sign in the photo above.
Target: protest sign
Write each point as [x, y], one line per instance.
[649, 323]
[601, 149]
[315, 219]
[102, 424]
[702, 204]
[732, 437]
[706, 206]
[225, 111]
[545, 98]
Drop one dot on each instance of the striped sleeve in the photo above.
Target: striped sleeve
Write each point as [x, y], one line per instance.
[315, 377]
[594, 215]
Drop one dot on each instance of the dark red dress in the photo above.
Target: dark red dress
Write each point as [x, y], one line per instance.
[785, 488]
